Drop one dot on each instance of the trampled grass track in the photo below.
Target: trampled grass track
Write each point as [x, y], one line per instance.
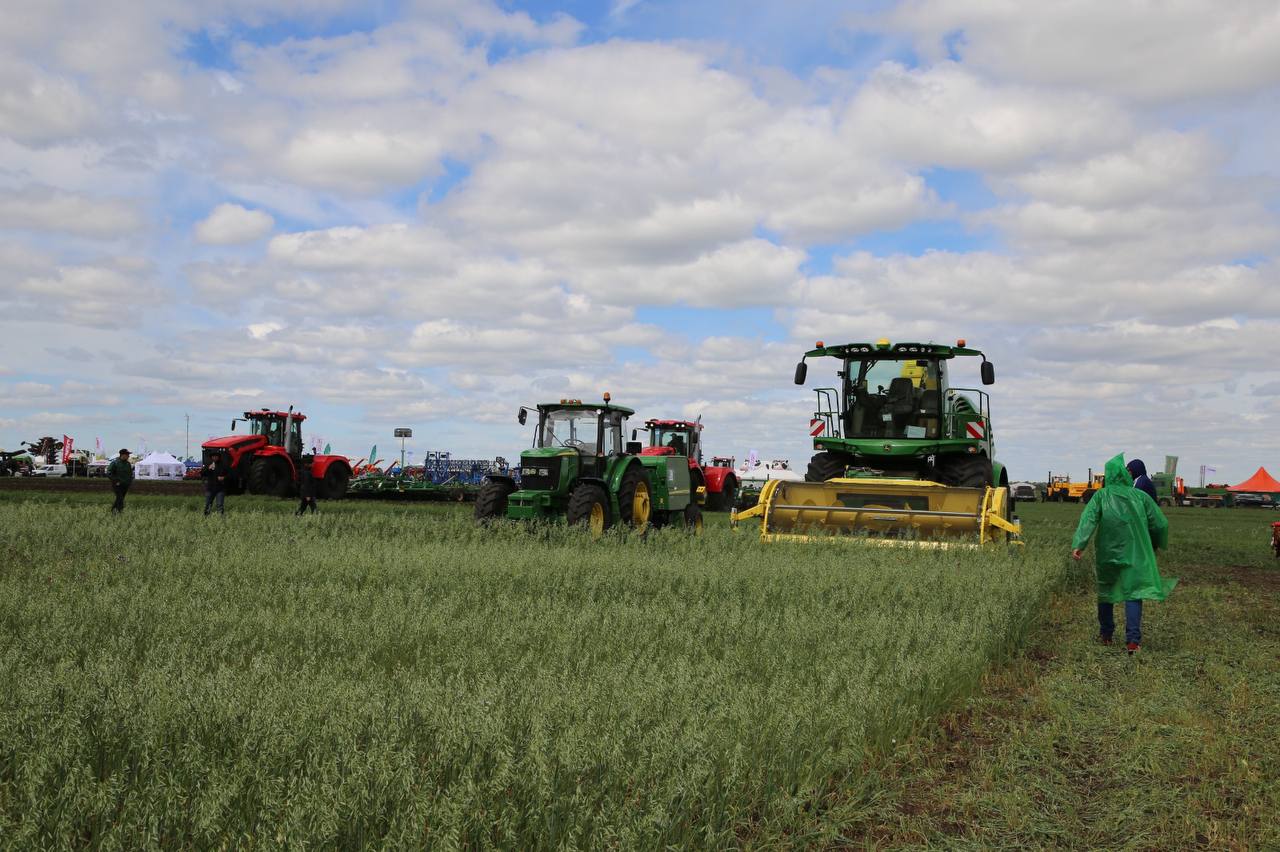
[384, 674]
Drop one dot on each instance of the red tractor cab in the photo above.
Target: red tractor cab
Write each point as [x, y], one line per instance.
[684, 438]
[268, 459]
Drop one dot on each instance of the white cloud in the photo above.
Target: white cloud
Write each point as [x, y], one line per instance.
[38, 108]
[1167, 51]
[46, 208]
[230, 224]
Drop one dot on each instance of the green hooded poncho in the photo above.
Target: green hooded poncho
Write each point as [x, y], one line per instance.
[1130, 526]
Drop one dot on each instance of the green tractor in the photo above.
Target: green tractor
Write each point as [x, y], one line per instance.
[895, 415]
[580, 469]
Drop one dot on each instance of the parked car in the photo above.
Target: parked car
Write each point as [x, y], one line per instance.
[1024, 491]
[49, 470]
[1260, 501]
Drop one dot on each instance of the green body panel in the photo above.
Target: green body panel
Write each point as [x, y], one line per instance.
[528, 504]
[893, 447]
[669, 482]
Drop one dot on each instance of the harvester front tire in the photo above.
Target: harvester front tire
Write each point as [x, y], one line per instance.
[634, 494]
[824, 466]
[589, 506]
[491, 502]
[965, 471]
[334, 484]
[269, 476]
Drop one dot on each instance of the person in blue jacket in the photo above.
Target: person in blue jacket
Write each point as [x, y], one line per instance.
[1141, 481]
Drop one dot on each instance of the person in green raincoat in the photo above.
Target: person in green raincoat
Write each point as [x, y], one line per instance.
[1130, 528]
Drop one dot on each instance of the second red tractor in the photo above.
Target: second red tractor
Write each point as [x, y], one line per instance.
[269, 458]
[684, 438]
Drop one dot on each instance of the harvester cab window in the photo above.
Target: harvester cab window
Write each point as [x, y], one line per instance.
[892, 398]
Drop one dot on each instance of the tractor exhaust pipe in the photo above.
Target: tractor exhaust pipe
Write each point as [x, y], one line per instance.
[288, 425]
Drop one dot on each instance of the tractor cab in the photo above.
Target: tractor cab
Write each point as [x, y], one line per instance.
[281, 429]
[594, 431]
[674, 438]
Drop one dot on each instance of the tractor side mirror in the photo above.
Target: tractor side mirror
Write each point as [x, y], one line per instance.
[988, 373]
[802, 372]
[233, 425]
[522, 416]
[634, 432]
[634, 448]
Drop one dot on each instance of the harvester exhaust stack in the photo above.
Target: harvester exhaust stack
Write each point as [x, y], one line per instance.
[908, 512]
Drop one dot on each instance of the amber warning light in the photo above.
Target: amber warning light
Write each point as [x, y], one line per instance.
[960, 342]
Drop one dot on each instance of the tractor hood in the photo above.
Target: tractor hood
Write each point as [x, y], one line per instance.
[548, 452]
[234, 442]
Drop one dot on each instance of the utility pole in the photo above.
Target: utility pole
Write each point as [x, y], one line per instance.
[188, 451]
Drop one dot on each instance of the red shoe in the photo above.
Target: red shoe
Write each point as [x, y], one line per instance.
[1132, 647]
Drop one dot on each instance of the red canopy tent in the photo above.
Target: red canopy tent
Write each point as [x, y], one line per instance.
[1260, 483]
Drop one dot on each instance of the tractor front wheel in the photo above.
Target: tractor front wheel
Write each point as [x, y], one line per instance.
[724, 501]
[491, 502]
[588, 505]
[269, 476]
[693, 519]
[964, 471]
[634, 498]
[824, 466]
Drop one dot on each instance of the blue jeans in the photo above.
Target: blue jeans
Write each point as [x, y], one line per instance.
[214, 497]
[1132, 620]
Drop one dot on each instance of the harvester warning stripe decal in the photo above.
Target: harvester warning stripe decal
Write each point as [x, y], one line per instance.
[976, 429]
[816, 427]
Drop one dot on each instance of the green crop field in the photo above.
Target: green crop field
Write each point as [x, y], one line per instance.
[393, 675]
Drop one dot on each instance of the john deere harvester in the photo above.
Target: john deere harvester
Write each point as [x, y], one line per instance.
[580, 469]
[902, 456]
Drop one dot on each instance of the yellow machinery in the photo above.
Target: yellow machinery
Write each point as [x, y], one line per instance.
[1062, 489]
[909, 512]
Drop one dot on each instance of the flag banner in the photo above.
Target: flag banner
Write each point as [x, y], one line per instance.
[67, 443]
[326, 449]
[1171, 465]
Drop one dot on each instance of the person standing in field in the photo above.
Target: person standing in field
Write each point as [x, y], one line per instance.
[120, 472]
[215, 486]
[1141, 481]
[306, 486]
[1130, 528]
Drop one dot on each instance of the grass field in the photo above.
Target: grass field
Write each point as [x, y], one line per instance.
[392, 675]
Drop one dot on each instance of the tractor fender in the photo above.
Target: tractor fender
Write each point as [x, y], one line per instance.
[716, 477]
[502, 477]
[999, 475]
[321, 465]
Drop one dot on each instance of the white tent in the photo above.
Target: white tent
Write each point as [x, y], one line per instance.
[159, 466]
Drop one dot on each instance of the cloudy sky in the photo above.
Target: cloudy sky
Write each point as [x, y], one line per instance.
[426, 212]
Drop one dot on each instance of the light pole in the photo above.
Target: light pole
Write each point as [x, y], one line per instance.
[402, 434]
[188, 450]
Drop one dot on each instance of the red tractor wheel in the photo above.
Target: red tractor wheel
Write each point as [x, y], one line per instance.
[334, 484]
[270, 476]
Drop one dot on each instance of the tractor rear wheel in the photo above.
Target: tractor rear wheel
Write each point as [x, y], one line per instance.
[269, 476]
[698, 480]
[964, 471]
[588, 505]
[634, 498]
[491, 502]
[693, 519]
[826, 465]
[334, 484]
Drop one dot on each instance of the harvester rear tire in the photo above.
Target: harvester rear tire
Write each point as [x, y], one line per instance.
[491, 502]
[585, 498]
[964, 471]
[632, 480]
[269, 476]
[826, 465]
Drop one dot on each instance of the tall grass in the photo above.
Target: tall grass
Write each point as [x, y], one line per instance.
[377, 675]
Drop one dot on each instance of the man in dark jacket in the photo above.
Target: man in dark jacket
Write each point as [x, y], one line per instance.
[120, 472]
[1141, 481]
[306, 486]
[215, 485]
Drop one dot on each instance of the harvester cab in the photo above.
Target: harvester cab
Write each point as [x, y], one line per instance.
[901, 454]
[580, 468]
[269, 458]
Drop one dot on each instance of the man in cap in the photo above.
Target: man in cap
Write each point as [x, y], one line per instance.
[120, 472]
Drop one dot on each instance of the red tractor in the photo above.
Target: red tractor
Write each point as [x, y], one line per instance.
[684, 438]
[267, 460]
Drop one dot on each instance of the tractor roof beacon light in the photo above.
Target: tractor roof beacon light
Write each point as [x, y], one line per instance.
[607, 397]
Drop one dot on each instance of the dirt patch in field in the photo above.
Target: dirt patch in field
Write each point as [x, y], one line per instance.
[80, 484]
[1260, 579]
